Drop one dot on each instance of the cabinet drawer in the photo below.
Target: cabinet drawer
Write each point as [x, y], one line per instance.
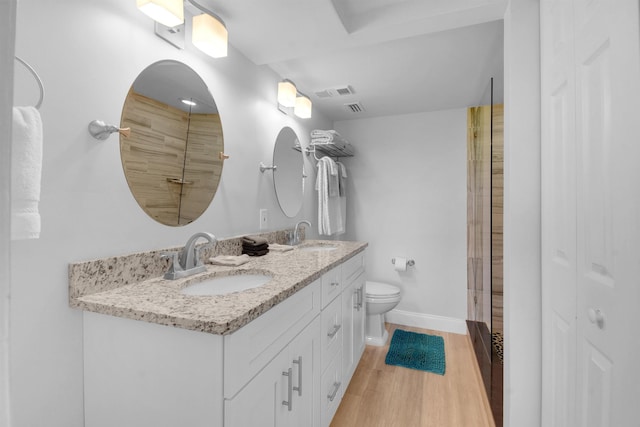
[331, 285]
[332, 390]
[331, 332]
[352, 268]
[249, 349]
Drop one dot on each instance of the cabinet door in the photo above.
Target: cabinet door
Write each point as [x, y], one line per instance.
[359, 319]
[262, 401]
[350, 300]
[353, 311]
[304, 358]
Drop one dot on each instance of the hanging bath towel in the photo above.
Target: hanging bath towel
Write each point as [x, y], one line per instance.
[26, 171]
[329, 207]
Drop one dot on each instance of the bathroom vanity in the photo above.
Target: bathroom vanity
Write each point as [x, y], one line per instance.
[280, 354]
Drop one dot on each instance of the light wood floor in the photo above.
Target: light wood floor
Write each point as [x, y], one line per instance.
[380, 395]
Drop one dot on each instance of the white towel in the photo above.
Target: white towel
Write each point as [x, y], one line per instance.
[330, 221]
[231, 260]
[276, 247]
[26, 172]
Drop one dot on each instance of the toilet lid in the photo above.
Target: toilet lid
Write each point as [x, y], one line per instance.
[381, 289]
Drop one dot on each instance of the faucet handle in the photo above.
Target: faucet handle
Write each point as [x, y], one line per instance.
[175, 261]
[198, 250]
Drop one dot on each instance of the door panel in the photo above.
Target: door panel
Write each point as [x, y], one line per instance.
[600, 262]
[559, 215]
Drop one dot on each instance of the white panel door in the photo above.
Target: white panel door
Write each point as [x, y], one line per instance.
[558, 214]
[608, 203]
[591, 212]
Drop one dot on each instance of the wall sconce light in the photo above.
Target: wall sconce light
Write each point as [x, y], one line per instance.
[167, 12]
[209, 33]
[287, 93]
[302, 108]
[290, 100]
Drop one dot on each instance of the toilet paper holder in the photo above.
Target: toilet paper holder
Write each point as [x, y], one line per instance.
[410, 262]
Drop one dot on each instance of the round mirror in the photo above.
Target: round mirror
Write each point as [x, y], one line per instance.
[173, 158]
[288, 178]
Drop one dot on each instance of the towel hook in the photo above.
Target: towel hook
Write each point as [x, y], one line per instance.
[37, 77]
[100, 130]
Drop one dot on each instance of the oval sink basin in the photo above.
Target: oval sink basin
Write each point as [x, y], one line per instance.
[226, 284]
[315, 248]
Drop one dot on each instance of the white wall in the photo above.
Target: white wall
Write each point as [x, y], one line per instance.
[407, 198]
[88, 52]
[522, 265]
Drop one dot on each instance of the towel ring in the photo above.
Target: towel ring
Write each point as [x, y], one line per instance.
[37, 77]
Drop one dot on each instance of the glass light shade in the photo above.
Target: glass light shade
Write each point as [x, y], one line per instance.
[287, 93]
[302, 108]
[209, 35]
[167, 12]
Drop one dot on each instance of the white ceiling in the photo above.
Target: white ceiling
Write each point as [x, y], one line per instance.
[399, 56]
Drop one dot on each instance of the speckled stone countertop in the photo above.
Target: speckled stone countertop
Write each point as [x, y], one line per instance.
[157, 300]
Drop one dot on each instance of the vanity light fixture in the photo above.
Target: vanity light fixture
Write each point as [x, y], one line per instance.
[290, 99]
[287, 93]
[302, 107]
[167, 12]
[209, 33]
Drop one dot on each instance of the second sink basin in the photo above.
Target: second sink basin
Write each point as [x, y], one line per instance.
[222, 285]
[314, 247]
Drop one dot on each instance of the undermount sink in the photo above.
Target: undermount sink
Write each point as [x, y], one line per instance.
[314, 247]
[222, 285]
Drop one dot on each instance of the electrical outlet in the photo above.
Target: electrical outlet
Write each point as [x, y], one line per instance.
[264, 219]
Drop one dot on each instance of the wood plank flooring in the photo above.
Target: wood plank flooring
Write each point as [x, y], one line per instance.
[380, 395]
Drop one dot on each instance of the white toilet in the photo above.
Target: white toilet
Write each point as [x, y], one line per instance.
[380, 298]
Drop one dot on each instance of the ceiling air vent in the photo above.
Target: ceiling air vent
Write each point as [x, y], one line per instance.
[354, 107]
[347, 90]
[337, 91]
[323, 94]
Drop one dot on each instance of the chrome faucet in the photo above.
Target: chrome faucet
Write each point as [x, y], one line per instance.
[296, 231]
[187, 261]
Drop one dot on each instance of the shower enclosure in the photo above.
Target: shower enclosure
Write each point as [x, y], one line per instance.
[484, 241]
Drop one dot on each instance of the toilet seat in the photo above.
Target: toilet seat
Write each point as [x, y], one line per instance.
[381, 292]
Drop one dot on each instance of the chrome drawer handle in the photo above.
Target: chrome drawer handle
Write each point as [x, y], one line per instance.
[332, 395]
[334, 331]
[298, 362]
[288, 403]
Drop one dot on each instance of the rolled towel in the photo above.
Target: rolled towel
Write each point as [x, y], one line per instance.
[253, 240]
[232, 260]
[276, 247]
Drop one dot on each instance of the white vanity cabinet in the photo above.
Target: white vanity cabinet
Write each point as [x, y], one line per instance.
[284, 392]
[287, 368]
[272, 366]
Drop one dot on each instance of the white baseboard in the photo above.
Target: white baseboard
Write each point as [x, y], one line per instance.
[427, 321]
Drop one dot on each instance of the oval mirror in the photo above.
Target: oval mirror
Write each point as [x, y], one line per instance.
[172, 159]
[288, 178]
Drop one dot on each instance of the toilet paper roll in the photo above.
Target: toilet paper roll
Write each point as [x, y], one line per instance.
[400, 264]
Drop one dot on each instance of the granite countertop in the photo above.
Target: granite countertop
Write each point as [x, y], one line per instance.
[158, 300]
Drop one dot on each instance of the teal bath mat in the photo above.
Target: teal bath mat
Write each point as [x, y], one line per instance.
[417, 351]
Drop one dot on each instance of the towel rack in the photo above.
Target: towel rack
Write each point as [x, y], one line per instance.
[328, 149]
[37, 77]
